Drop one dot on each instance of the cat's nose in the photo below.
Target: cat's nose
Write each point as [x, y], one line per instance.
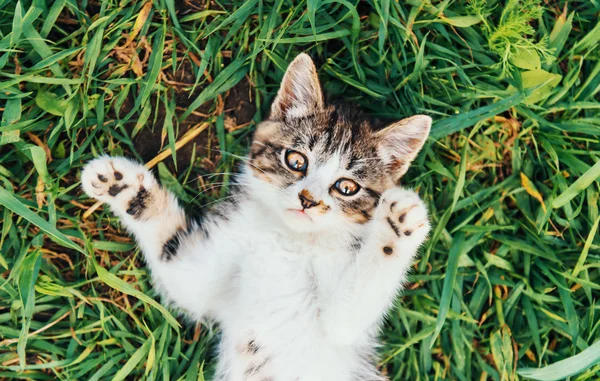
[306, 199]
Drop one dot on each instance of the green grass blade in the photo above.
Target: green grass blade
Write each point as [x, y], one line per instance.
[578, 186]
[565, 368]
[586, 248]
[226, 79]
[28, 276]
[456, 123]
[456, 250]
[129, 366]
[10, 202]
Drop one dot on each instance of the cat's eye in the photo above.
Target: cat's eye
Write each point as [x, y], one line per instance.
[346, 187]
[296, 161]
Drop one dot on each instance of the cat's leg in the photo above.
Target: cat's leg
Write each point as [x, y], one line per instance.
[187, 267]
[369, 286]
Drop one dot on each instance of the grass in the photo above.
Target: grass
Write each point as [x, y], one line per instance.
[509, 281]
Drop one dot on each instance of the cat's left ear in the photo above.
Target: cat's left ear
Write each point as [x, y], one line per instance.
[400, 142]
[300, 92]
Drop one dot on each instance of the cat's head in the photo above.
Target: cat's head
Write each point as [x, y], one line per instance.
[321, 166]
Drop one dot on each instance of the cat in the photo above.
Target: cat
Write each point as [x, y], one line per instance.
[300, 269]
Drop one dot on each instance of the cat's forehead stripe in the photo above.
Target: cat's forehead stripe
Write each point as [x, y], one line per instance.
[329, 168]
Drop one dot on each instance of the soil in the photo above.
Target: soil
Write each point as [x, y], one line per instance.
[239, 109]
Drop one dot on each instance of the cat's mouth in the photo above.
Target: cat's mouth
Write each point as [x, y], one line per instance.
[300, 213]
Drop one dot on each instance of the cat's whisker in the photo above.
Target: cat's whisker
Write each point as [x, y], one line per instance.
[210, 175]
[248, 161]
[204, 191]
[215, 186]
[368, 158]
[220, 200]
[346, 236]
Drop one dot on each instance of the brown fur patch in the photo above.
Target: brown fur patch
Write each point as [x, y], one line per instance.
[306, 193]
[322, 208]
[358, 217]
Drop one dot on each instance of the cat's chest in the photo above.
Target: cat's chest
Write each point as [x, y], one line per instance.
[279, 271]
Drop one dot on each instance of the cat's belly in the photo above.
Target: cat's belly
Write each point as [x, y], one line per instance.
[271, 330]
[273, 360]
[281, 345]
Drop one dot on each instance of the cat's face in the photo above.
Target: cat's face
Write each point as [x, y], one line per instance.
[324, 167]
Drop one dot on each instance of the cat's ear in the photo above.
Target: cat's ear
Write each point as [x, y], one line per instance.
[400, 142]
[300, 92]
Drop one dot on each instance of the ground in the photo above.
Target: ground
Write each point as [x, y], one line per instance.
[508, 281]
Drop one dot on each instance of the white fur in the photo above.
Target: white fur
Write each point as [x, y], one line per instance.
[312, 307]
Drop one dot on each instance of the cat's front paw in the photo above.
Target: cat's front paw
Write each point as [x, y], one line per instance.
[403, 221]
[122, 183]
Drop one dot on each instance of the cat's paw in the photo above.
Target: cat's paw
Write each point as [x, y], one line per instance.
[122, 183]
[403, 221]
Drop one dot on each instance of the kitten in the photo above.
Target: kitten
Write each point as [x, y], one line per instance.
[300, 270]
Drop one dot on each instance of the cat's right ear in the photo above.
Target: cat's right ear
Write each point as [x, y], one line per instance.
[300, 93]
[400, 142]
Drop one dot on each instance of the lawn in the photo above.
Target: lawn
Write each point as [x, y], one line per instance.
[509, 280]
